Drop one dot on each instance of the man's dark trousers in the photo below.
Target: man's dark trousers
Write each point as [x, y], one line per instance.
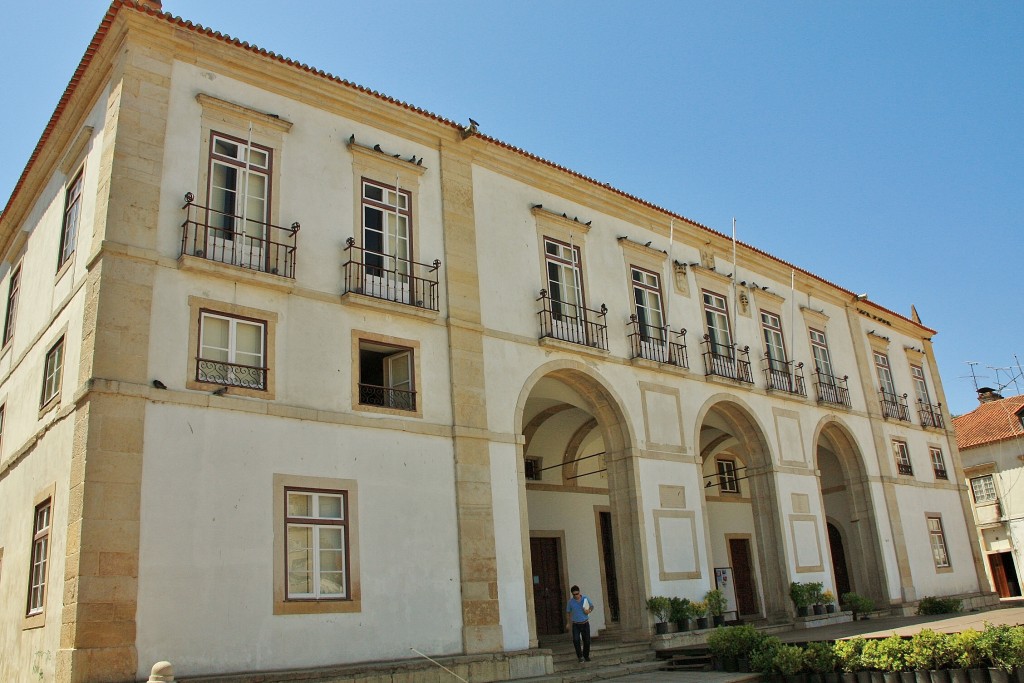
[581, 632]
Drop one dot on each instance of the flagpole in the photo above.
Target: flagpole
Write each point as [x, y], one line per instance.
[398, 199]
[672, 276]
[578, 301]
[792, 307]
[733, 333]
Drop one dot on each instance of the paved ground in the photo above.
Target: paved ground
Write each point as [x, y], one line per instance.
[874, 628]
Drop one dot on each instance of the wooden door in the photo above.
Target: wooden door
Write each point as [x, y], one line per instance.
[611, 582]
[743, 576]
[995, 562]
[842, 574]
[548, 596]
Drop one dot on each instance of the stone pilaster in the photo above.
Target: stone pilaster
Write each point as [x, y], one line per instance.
[101, 576]
[481, 627]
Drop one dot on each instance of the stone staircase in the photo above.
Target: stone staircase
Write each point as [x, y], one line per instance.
[610, 657]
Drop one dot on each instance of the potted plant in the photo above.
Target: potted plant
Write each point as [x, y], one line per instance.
[762, 658]
[716, 602]
[829, 598]
[661, 608]
[681, 613]
[801, 597]
[816, 596]
[858, 604]
[700, 608]
[820, 659]
[848, 657]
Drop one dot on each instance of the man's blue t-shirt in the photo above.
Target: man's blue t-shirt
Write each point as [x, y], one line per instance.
[575, 608]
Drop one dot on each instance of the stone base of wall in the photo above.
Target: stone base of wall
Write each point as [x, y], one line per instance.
[476, 668]
[972, 602]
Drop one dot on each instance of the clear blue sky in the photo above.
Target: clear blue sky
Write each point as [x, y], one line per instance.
[877, 144]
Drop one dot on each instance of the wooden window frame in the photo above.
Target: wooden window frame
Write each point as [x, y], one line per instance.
[883, 370]
[52, 380]
[920, 385]
[728, 481]
[11, 311]
[204, 315]
[938, 462]
[723, 310]
[989, 498]
[774, 327]
[197, 307]
[400, 345]
[646, 291]
[938, 534]
[35, 611]
[560, 260]
[532, 465]
[72, 219]
[316, 522]
[901, 453]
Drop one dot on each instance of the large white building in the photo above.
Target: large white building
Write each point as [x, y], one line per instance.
[294, 375]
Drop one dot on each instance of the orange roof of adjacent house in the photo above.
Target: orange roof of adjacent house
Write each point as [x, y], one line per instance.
[990, 422]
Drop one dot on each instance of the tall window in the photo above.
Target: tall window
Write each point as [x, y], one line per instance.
[716, 315]
[316, 528]
[39, 557]
[938, 542]
[52, 371]
[938, 463]
[771, 327]
[72, 214]
[822, 359]
[647, 299]
[884, 374]
[984, 489]
[564, 276]
[386, 376]
[902, 454]
[239, 187]
[231, 351]
[728, 482]
[920, 386]
[12, 304]
[387, 239]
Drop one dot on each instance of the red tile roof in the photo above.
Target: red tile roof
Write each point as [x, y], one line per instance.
[153, 8]
[990, 422]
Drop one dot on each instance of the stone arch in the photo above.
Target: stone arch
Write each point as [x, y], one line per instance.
[729, 415]
[847, 503]
[606, 407]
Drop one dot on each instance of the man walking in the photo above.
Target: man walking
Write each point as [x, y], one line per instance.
[579, 609]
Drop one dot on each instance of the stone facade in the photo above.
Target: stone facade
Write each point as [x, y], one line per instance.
[328, 380]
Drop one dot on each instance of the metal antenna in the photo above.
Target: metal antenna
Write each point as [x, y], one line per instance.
[974, 377]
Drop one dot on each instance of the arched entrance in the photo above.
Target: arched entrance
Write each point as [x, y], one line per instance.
[741, 500]
[853, 540]
[581, 523]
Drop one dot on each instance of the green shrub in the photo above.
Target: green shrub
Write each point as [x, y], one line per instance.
[888, 654]
[788, 661]
[816, 592]
[660, 607]
[819, 658]
[848, 654]
[716, 602]
[679, 609]
[932, 605]
[930, 650]
[734, 641]
[762, 658]
[1002, 646]
[966, 645]
[800, 594]
[857, 603]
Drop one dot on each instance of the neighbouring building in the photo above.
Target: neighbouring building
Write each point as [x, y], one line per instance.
[295, 374]
[991, 443]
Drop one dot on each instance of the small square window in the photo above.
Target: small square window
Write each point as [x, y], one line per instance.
[231, 351]
[984, 489]
[52, 371]
[386, 376]
[532, 468]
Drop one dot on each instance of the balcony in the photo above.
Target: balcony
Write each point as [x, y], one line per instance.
[238, 241]
[655, 343]
[831, 389]
[931, 415]
[726, 360]
[570, 322]
[784, 376]
[894, 406]
[905, 468]
[387, 277]
[231, 374]
[940, 473]
[386, 397]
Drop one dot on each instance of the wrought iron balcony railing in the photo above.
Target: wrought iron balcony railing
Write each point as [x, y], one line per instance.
[894, 406]
[905, 468]
[386, 397]
[931, 415]
[231, 374]
[655, 343]
[572, 323]
[238, 241]
[383, 276]
[941, 473]
[831, 389]
[784, 376]
[726, 360]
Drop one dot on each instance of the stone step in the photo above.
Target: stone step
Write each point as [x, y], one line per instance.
[604, 656]
[593, 672]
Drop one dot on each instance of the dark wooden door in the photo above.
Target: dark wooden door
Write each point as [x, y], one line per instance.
[842, 574]
[548, 596]
[608, 556]
[743, 576]
[1004, 575]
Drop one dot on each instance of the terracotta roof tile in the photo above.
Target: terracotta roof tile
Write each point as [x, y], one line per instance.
[989, 423]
